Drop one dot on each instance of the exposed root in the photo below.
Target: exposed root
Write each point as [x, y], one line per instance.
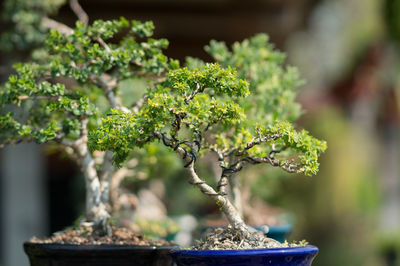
[228, 238]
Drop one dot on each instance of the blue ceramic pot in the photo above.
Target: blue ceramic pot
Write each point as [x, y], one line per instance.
[294, 256]
[277, 232]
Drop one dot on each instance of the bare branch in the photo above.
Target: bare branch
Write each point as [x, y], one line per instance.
[257, 141]
[139, 104]
[26, 98]
[103, 43]
[274, 151]
[108, 92]
[196, 91]
[79, 12]
[114, 100]
[176, 125]
[68, 143]
[188, 157]
[285, 165]
[52, 24]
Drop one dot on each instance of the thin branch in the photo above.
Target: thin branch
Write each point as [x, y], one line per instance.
[274, 151]
[26, 98]
[288, 167]
[196, 91]
[79, 12]
[176, 125]
[256, 141]
[108, 92]
[139, 104]
[69, 143]
[226, 175]
[113, 99]
[103, 43]
[52, 24]
[188, 156]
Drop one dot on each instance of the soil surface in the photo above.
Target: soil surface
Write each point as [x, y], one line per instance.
[228, 238]
[86, 236]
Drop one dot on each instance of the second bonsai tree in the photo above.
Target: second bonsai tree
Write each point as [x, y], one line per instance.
[61, 96]
[201, 110]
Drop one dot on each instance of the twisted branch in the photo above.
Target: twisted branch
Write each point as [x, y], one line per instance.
[79, 12]
[257, 141]
[196, 91]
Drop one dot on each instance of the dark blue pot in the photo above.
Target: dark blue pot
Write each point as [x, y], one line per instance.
[294, 256]
[278, 232]
[97, 255]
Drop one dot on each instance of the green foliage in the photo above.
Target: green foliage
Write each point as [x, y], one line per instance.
[299, 142]
[271, 100]
[392, 18]
[191, 104]
[273, 87]
[240, 107]
[25, 18]
[49, 110]
[84, 53]
[196, 99]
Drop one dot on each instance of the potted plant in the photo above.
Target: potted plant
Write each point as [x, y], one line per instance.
[273, 89]
[195, 112]
[59, 99]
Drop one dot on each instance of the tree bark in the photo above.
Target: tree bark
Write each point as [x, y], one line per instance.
[106, 174]
[96, 208]
[226, 206]
[236, 193]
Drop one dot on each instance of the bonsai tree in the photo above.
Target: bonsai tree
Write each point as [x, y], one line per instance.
[61, 97]
[194, 112]
[273, 89]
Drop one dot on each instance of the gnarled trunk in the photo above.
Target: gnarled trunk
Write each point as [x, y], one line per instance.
[226, 206]
[96, 202]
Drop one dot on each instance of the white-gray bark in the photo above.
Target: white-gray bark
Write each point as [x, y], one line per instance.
[226, 206]
[106, 173]
[96, 209]
[236, 193]
[96, 203]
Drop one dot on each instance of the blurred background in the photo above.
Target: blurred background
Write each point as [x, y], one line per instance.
[348, 51]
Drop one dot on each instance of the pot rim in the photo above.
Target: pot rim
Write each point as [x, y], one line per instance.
[309, 249]
[58, 246]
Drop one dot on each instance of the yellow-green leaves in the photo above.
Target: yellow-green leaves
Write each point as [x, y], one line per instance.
[273, 86]
[272, 98]
[299, 143]
[220, 81]
[188, 103]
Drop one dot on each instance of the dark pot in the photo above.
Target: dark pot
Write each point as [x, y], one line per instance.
[296, 256]
[97, 255]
